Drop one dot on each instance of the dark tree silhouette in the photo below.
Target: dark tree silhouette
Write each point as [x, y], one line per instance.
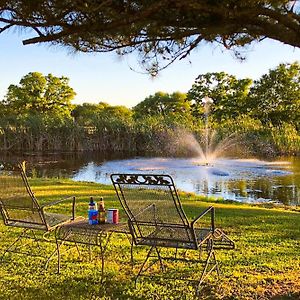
[160, 31]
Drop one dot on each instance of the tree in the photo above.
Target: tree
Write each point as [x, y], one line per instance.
[160, 31]
[118, 111]
[87, 113]
[162, 104]
[228, 93]
[84, 114]
[40, 94]
[275, 97]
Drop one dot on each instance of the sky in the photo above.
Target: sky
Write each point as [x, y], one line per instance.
[107, 77]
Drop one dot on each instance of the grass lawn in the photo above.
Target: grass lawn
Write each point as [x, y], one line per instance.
[264, 265]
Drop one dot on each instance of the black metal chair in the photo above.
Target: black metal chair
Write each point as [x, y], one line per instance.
[20, 208]
[156, 219]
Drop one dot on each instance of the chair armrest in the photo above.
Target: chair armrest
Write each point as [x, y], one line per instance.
[62, 200]
[210, 209]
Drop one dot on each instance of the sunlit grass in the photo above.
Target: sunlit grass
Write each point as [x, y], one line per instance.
[264, 265]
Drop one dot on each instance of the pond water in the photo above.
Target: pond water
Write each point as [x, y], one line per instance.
[244, 180]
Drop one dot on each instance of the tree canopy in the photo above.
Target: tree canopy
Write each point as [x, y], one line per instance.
[37, 93]
[228, 93]
[275, 97]
[88, 114]
[159, 31]
[162, 104]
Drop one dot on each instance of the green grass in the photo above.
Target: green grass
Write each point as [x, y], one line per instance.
[264, 265]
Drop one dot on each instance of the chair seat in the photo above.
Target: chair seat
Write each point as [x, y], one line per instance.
[27, 225]
[176, 237]
[54, 219]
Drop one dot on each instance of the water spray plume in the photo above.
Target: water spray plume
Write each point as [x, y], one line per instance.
[207, 102]
[213, 147]
[205, 148]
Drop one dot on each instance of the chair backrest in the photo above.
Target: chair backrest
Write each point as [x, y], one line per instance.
[154, 210]
[18, 204]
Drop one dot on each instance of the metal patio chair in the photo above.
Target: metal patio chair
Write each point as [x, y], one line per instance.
[156, 219]
[20, 208]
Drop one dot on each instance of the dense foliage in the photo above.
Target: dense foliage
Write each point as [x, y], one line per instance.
[228, 93]
[275, 97]
[162, 104]
[159, 31]
[37, 115]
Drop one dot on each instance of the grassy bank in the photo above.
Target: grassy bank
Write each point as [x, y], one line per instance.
[264, 265]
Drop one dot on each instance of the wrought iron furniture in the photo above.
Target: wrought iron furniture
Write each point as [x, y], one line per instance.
[81, 232]
[20, 208]
[156, 219]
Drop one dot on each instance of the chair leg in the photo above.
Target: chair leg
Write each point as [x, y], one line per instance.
[49, 258]
[144, 263]
[131, 252]
[159, 258]
[130, 239]
[77, 248]
[58, 245]
[8, 249]
[211, 259]
[58, 254]
[217, 265]
[30, 234]
[162, 267]
[200, 252]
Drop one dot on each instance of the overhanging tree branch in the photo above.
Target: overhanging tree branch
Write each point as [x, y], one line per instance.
[160, 31]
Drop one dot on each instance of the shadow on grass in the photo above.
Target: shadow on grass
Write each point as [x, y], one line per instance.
[287, 296]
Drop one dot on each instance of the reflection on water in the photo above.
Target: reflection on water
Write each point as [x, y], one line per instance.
[236, 179]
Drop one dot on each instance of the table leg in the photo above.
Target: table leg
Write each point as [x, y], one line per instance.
[103, 247]
[57, 239]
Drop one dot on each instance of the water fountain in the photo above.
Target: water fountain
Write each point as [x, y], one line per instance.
[210, 172]
[210, 148]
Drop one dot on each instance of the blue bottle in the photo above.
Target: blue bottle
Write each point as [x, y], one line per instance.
[93, 212]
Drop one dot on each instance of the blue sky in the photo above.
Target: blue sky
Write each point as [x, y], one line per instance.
[108, 78]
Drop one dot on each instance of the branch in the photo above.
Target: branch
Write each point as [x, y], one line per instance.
[193, 45]
[2, 29]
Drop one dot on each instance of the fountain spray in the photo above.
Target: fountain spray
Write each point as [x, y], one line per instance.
[207, 102]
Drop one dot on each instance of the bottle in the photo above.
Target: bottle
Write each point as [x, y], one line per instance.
[93, 212]
[101, 211]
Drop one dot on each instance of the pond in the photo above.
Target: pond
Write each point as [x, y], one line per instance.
[244, 180]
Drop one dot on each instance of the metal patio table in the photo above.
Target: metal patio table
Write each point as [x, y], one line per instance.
[81, 232]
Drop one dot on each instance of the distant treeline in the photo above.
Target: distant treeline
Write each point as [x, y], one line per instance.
[37, 115]
[156, 135]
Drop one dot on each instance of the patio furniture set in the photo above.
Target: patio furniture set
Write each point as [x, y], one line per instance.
[155, 219]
